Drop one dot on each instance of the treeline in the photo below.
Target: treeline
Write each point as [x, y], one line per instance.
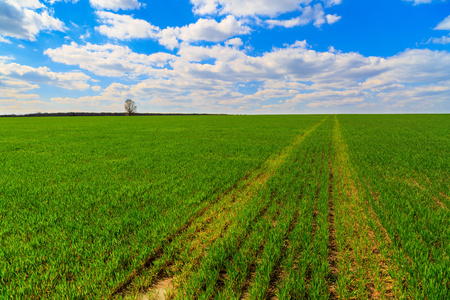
[89, 114]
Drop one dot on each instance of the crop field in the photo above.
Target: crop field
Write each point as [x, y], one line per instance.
[225, 207]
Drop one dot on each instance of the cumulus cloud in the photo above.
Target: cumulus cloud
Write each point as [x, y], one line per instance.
[418, 97]
[124, 27]
[294, 22]
[296, 62]
[247, 7]
[416, 2]
[14, 96]
[108, 60]
[331, 19]
[211, 30]
[85, 36]
[3, 40]
[314, 14]
[328, 98]
[17, 83]
[206, 78]
[319, 15]
[442, 40]
[414, 67]
[329, 3]
[67, 1]
[444, 25]
[29, 77]
[115, 5]
[235, 42]
[269, 12]
[203, 30]
[24, 19]
[309, 14]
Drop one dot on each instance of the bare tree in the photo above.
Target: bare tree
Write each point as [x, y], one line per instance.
[130, 107]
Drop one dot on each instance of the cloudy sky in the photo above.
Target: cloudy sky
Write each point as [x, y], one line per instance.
[225, 56]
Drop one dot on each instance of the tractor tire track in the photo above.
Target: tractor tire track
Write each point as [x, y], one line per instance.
[253, 181]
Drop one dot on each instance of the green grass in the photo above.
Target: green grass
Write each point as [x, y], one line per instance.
[404, 164]
[85, 201]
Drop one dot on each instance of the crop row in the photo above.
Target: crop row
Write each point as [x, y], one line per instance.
[84, 201]
[225, 207]
[266, 238]
[401, 169]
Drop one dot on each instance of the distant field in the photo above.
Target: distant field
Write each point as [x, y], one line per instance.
[225, 207]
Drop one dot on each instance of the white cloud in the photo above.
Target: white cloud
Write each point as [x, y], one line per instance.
[414, 67]
[416, 2]
[235, 43]
[85, 36]
[30, 4]
[16, 103]
[17, 73]
[115, 5]
[124, 27]
[309, 14]
[3, 40]
[285, 83]
[329, 98]
[444, 25]
[254, 9]
[203, 30]
[298, 21]
[16, 82]
[205, 7]
[306, 17]
[67, 1]
[24, 19]
[442, 40]
[319, 15]
[295, 62]
[418, 97]
[296, 75]
[331, 19]
[6, 58]
[109, 60]
[247, 7]
[329, 3]
[211, 30]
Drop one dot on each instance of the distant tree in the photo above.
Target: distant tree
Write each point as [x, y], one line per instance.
[130, 107]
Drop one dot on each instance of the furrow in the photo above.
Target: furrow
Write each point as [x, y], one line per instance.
[332, 246]
[242, 192]
[277, 273]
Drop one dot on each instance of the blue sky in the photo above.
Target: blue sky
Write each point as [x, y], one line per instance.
[225, 56]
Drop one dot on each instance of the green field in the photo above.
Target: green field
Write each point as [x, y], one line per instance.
[225, 207]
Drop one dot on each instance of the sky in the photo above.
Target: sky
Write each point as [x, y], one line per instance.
[225, 56]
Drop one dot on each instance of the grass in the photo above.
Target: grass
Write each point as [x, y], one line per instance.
[225, 207]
